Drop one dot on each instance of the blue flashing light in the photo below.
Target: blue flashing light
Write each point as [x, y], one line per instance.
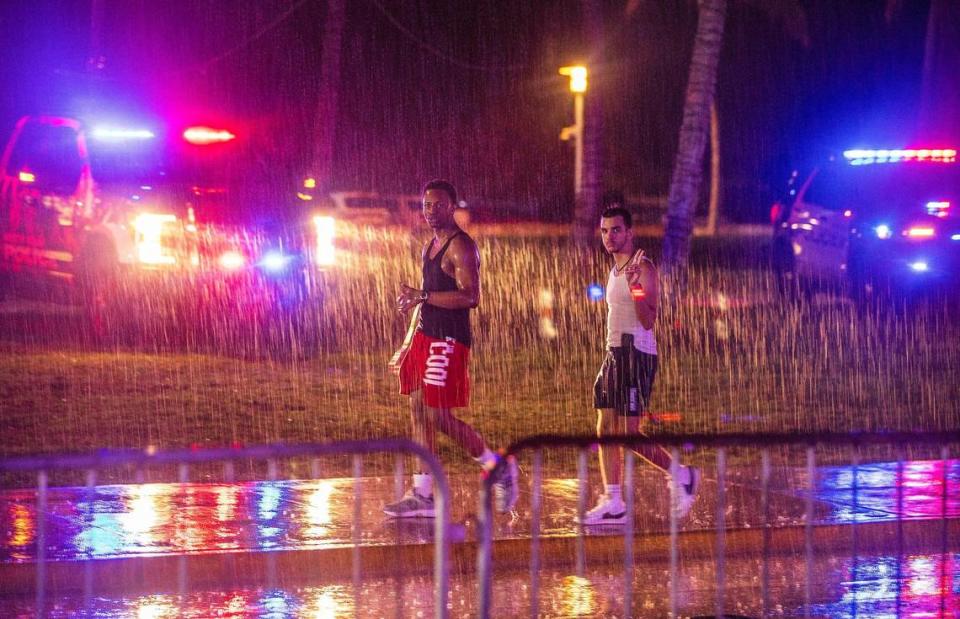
[118, 134]
[883, 231]
[920, 266]
[595, 292]
[275, 261]
[955, 237]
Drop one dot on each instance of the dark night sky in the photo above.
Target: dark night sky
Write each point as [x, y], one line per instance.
[408, 114]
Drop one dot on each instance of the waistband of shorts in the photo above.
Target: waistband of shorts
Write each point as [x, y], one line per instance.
[622, 349]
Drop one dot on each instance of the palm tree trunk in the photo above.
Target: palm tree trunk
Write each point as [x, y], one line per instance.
[587, 204]
[713, 213]
[939, 91]
[327, 101]
[694, 132]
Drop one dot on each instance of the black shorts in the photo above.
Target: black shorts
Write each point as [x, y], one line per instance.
[625, 381]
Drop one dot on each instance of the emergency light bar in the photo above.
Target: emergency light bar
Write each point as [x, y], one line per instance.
[867, 156]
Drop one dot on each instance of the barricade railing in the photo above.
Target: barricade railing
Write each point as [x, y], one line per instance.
[91, 463]
[933, 442]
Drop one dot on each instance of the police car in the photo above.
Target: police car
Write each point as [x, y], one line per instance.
[873, 221]
[98, 212]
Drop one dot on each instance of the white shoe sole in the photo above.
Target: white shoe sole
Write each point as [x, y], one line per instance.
[417, 513]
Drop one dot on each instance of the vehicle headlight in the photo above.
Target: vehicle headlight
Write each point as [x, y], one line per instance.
[325, 229]
[232, 260]
[150, 229]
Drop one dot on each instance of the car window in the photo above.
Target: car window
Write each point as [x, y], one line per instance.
[829, 188]
[51, 153]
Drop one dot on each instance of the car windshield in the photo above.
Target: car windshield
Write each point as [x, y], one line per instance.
[885, 187]
[205, 177]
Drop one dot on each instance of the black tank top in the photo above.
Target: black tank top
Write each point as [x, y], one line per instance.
[437, 322]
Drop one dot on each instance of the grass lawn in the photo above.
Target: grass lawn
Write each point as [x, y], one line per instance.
[733, 358]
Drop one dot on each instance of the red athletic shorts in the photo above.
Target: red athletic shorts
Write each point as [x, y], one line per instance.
[439, 367]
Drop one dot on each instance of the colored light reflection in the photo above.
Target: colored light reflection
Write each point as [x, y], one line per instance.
[872, 492]
[889, 587]
[21, 530]
[578, 598]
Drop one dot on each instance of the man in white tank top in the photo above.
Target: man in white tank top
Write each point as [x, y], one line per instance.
[623, 387]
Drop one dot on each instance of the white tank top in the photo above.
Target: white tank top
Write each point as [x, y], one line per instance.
[622, 317]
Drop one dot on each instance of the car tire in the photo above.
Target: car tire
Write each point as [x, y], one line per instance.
[784, 268]
[863, 287]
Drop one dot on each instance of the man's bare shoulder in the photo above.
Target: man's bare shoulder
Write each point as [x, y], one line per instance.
[463, 244]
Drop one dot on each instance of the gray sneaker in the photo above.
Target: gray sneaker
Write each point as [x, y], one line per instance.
[687, 494]
[412, 505]
[506, 485]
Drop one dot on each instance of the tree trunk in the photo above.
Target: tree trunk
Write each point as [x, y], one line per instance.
[713, 212]
[587, 200]
[940, 90]
[325, 123]
[694, 131]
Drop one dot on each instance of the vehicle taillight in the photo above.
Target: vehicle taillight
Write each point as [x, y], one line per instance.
[325, 227]
[150, 228]
[775, 211]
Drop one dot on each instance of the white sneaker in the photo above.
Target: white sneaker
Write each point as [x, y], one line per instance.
[687, 493]
[506, 485]
[606, 511]
[412, 505]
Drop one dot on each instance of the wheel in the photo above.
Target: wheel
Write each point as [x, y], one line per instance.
[866, 289]
[784, 268]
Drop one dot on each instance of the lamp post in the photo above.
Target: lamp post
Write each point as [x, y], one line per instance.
[578, 86]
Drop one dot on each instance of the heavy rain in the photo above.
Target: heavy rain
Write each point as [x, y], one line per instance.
[208, 209]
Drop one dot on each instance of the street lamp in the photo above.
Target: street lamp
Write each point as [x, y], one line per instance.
[578, 86]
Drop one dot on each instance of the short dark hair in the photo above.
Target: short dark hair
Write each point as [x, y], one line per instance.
[612, 198]
[619, 211]
[442, 185]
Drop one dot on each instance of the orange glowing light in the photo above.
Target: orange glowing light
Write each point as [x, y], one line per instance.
[920, 232]
[202, 136]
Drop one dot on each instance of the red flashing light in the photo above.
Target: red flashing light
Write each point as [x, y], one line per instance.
[202, 136]
[920, 232]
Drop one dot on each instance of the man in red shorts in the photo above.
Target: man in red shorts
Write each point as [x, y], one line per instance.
[434, 372]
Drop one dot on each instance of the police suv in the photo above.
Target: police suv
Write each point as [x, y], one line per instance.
[873, 221]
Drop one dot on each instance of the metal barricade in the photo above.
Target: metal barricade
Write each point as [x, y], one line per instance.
[804, 534]
[42, 466]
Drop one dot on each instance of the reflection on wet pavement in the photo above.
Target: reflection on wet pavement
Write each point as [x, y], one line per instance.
[916, 586]
[204, 519]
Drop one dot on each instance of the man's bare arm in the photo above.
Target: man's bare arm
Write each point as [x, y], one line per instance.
[645, 290]
[464, 259]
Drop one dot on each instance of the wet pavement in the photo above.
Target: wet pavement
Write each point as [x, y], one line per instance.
[201, 549]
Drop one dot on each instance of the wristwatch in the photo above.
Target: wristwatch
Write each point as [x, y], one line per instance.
[424, 295]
